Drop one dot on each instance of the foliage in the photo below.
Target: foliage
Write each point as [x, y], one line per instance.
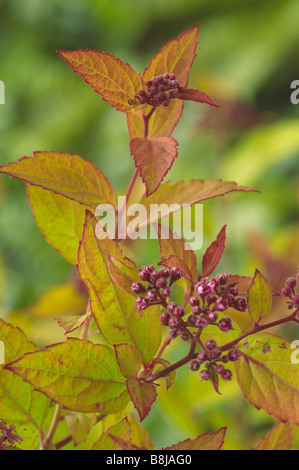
[92, 378]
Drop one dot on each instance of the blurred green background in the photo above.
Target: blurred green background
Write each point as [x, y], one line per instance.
[247, 59]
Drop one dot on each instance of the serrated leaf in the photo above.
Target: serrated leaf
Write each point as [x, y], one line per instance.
[20, 405]
[79, 375]
[116, 81]
[142, 395]
[71, 323]
[185, 193]
[79, 425]
[267, 377]
[174, 253]
[278, 438]
[129, 359]
[114, 309]
[65, 174]
[124, 272]
[259, 297]
[153, 157]
[190, 94]
[213, 254]
[121, 429]
[59, 219]
[207, 441]
[176, 57]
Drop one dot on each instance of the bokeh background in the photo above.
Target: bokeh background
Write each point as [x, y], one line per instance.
[247, 58]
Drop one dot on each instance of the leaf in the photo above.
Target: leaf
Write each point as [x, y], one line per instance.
[153, 158]
[116, 81]
[242, 283]
[213, 254]
[66, 216]
[139, 435]
[123, 444]
[267, 378]
[79, 425]
[142, 395]
[79, 375]
[278, 438]
[259, 297]
[174, 253]
[71, 323]
[170, 197]
[20, 405]
[114, 309]
[191, 94]
[129, 359]
[121, 429]
[123, 272]
[169, 378]
[176, 57]
[65, 174]
[207, 441]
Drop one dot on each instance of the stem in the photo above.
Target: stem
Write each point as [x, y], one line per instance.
[53, 427]
[166, 343]
[191, 355]
[257, 329]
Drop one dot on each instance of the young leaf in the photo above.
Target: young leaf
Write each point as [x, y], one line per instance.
[123, 272]
[20, 405]
[153, 157]
[259, 297]
[111, 78]
[79, 375]
[174, 254]
[114, 309]
[213, 254]
[171, 377]
[120, 429]
[241, 282]
[207, 441]
[142, 395]
[65, 174]
[267, 378]
[278, 438]
[129, 359]
[79, 425]
[53, 210]
[71, 323]
[198, 96]
[176, 57]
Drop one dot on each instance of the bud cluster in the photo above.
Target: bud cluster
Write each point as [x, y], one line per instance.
[289, 291]
[8, 437]
[160, 90]
[158, 285]
[213, 360]
[214, 295]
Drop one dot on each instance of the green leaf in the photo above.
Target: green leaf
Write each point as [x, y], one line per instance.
[124, 272]
[59, 219]
[278, 438]
[259, 297]
[142, 395]
[267, 378]
[79, 425]
[207, 441]
[129, 359]
[114, 309]
[65, 174]
[20, 405]
[79, 375]
[121, 429]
